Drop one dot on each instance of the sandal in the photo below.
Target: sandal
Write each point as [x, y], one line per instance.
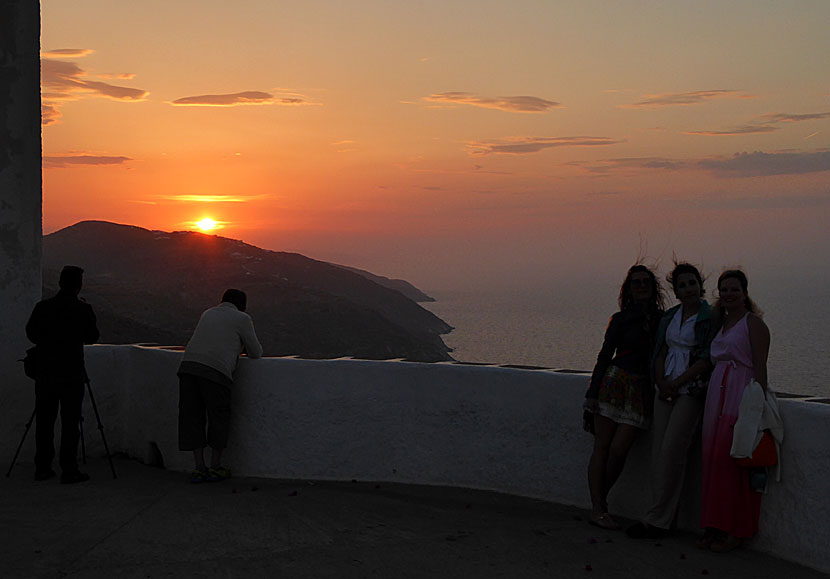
[709, 537]
[604, 521]
[730, 543]
[198, 476]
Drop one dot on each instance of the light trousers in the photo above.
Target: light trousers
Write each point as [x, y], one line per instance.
[674, 428]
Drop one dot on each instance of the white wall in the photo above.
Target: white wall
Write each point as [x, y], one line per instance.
[516, 431]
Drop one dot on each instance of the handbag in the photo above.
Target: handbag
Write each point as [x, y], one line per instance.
[588, 421]
[32, 363]
[764, 455]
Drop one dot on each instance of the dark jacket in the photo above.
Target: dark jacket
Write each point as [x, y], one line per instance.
[628, 343]
[59, 327]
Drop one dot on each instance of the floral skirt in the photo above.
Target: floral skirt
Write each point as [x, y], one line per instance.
[622, 397]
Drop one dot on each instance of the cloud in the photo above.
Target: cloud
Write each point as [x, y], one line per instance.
[758, 163]
[210, 198]
[794, 118]
[49, 114]
[513, 104]
[764, 124]
[67, 53]
[616, 165]
[528, 145]
[227, 100]
[683, 98]
[66, 80]
[741, 130]
[56, 161]
[62, 80]
[118, 75]
[251, 97]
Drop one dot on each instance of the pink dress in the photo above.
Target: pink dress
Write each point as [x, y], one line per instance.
[729, 504]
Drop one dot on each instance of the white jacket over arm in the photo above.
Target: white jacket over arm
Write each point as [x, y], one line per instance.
[757, 413]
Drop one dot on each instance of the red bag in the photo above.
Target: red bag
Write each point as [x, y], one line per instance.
[765, 454]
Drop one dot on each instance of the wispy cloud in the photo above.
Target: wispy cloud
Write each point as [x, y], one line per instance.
[49, 114]
[513, 104]
[755, 164]
[632, 163]
[251, 97]
[53, 161]
[117, 75]
[61, 80]
[794, 118]
[767, 123]
[758, 163]
[528, 145]
[210, 198]
[67, 53]
[740, 130]
[684, 98]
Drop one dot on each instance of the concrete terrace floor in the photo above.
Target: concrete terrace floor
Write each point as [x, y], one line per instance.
[150, 523]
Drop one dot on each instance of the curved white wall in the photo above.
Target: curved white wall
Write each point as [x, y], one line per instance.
[516, 431]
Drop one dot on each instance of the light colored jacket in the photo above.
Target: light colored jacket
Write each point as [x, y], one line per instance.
[756, 414]
[222, 334]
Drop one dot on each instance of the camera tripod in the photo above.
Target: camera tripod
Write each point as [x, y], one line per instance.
[83, 445]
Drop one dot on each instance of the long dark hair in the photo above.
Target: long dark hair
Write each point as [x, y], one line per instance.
[741, 277]
[626, 299]
[681, 267]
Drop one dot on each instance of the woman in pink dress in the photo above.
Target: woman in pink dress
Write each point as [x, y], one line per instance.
[730, 508]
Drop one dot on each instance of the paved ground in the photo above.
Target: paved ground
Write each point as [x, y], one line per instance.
[150, 523]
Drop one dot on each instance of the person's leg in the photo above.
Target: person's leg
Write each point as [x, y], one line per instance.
[199, 458]
[669, 469]
[218, 403]
[604, 429]
[71, 399]
[191, 419]
[617, 453]
[46, 411]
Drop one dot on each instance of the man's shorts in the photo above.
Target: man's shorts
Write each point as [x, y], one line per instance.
[203, 402]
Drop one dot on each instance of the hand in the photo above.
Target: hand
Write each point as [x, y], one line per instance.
[667, 389]
[591, 405]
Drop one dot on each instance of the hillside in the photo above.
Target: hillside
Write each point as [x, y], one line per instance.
[151, 286]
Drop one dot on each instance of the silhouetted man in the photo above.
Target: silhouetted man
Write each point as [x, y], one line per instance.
[206, 378]
[59, 327]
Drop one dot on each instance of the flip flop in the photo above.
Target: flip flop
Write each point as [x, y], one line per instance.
[604, 521]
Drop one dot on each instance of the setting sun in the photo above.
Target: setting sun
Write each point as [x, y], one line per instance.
[207, 224]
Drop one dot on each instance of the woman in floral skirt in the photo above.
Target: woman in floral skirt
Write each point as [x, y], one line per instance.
[619, 396]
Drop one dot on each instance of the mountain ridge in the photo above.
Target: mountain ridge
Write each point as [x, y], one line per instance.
[150, 286]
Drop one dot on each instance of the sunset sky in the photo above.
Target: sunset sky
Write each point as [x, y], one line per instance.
[451, 143]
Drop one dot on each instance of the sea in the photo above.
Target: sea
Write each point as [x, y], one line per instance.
[562, 325]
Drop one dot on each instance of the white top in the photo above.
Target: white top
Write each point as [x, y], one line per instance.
[680, 339]
[222, 334]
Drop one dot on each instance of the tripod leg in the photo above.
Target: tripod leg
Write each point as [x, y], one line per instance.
[83, 443]
[100, 427]
[28, 426]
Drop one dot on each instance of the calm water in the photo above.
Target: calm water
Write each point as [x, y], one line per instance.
[563, 327]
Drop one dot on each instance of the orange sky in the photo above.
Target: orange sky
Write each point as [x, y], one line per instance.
[448, 143]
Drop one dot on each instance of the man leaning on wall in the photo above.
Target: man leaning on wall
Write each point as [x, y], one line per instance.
[206, 378]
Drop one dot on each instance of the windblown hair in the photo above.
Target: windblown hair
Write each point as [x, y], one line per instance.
[741, 277]
[684, 267]
[626, 299]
